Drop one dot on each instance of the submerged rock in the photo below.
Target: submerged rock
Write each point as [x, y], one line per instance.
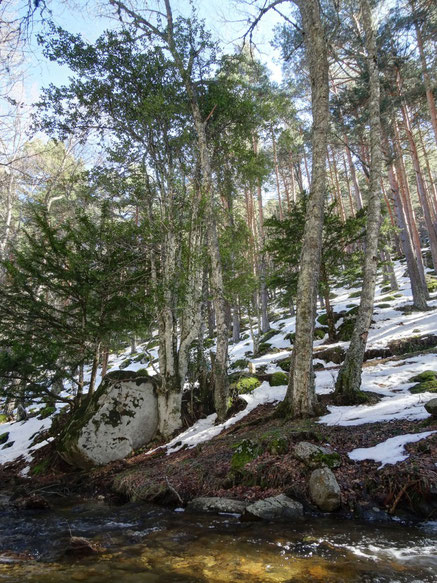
[324, 490]
[217, 504]
[276, 508]
[121, 416]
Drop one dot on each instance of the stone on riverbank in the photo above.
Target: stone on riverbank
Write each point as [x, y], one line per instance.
[324, 490]
[431, 407]
[216, 504]
[276, 508]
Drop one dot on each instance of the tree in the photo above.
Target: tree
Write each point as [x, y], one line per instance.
[349, 377]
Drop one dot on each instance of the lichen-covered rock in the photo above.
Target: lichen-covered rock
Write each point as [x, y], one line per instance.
[316, 456]
[276, 508]
[324, 490]
[121, 416]
[216, 504]
[431, 407]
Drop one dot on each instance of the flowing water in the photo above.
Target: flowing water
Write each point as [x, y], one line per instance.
[143, 544]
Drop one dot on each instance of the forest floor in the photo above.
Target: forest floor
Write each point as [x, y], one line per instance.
[387, 447]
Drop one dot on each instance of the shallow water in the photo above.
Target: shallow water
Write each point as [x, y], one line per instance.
[144, 544]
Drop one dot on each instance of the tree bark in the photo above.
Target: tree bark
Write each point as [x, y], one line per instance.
[300, 400]
[349, 377]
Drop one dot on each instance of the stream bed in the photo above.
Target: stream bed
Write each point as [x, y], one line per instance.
[140, 543]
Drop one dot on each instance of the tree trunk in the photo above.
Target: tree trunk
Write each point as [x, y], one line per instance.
[349, 377]
[300, 400]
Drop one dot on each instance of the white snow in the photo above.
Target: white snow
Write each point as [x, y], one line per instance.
[22, 433]
[390, 451]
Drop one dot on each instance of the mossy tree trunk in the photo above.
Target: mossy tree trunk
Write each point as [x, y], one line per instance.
[300, 400]
[347, 387]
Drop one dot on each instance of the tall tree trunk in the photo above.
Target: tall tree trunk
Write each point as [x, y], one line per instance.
[300, 400]
[349, 377]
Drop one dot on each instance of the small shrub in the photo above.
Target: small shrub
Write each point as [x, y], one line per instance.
[285, 364]
[431, 283]
[3, 418]
[320, 333]
[264, 348]
[278, 379]
[323, 320]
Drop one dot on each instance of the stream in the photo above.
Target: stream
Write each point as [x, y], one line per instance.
[140, 543]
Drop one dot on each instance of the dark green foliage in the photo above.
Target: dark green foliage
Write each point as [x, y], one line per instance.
[3, 418]
[320, 333]
[383, 306]
[356, 294]
[278, 378]
[431, 283]
[331, 460]
[70, 286]
[41, 468]
[285, 364]
[285, 241]
[268, 335]
[4, 437]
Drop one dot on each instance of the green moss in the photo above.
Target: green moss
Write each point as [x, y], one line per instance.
[425, 387]
[8, 445]
[3, 418]
[323, 320]
[208, 342]
[386, 289]
[431, 283]
[246, 385]
[278, 445]
[244, 452]
[346, 329]
[426, 375]
[4, 437]
[388, 298]
[278, 378]
[264, 348]
[266, 337]
[356, 294]
[240, 363]
[152, 344]
[383, 306]
[285, 364]
[126, 363]
[46, 412]
[140, 357]
[143, 372]
[320, 333]
[331, 460]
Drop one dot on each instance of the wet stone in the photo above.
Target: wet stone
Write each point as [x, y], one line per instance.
[276, 508]
[215, 504]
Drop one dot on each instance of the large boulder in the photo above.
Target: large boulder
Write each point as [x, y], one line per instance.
[276, 508]
[216, 505]
[121, 416]
[324, 490]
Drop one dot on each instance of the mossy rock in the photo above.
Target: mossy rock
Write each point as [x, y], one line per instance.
[8, 445]
[431, 283]
[3, 418]
[356, 294]
[240, 363]
[141, 358]
[152, 344]
[278, 445]
[46, 412]
[425, 387]
[266, 337]
[278, 379]
[388, 298]
[263, 348]
[320, 333]
[426, 375]
[285, 364]
[244, 452]
[4, 437]
[331, 460]
[344, 332]
[244, 337]
[386, 289]
[126, 363]
[383, 306]
[246, 385]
